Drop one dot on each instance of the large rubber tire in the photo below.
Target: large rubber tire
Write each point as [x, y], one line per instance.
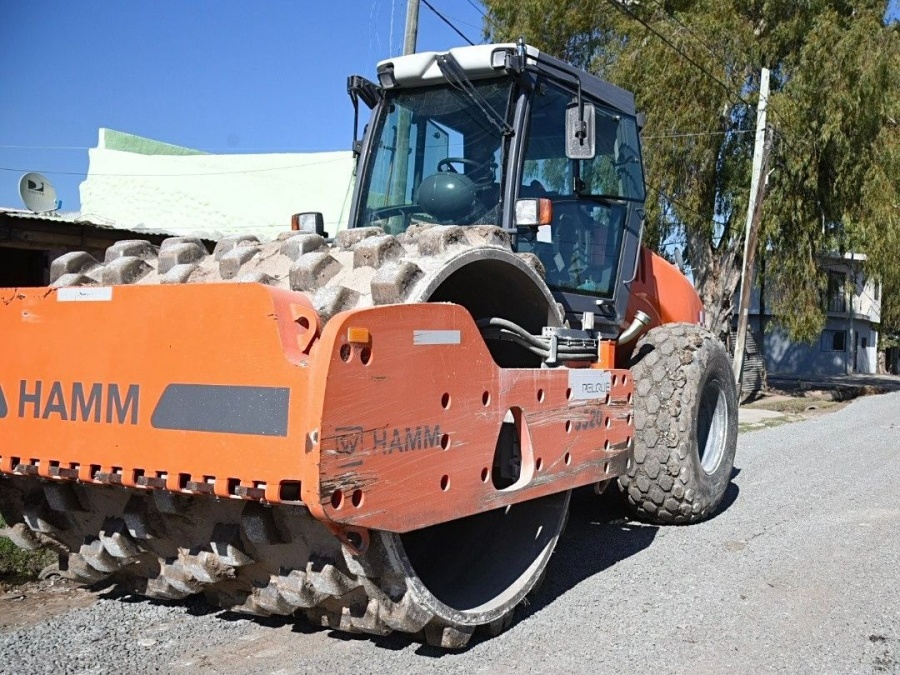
[685, 419]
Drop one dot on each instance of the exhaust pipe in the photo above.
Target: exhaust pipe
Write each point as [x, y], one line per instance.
[638, 325]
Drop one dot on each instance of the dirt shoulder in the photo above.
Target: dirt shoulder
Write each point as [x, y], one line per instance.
[25, 604]
[792, 399]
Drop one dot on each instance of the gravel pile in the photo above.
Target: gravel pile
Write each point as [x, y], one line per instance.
[121, 634]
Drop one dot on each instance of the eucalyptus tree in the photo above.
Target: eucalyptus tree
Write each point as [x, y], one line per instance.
[694, 67]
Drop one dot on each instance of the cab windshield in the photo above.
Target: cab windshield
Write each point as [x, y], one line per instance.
[438, 155]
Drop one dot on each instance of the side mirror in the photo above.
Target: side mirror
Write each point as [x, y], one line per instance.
[532, 212]
[580, 131]
[309, 222]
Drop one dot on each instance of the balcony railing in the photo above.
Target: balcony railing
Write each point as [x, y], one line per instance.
[838, 304]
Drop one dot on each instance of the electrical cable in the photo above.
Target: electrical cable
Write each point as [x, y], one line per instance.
[723, 60]
[687, 58]
[200, 151]
[447, 21]
[720, 57]
[478, 9]
[672, 200]
[688, 134]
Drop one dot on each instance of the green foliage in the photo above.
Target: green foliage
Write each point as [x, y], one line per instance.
[18, 565]
[835, 108]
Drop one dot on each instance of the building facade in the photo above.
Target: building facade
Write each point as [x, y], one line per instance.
[849, 341]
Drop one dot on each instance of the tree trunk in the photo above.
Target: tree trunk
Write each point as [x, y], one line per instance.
[717, 272]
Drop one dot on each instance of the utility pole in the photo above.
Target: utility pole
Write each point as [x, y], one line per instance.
[754, 211]
[412, 27]
[851, 338]
[400, 164]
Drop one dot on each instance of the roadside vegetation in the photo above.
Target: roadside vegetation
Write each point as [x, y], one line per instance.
[17, 566]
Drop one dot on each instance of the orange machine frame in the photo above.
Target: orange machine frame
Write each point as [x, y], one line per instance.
[386, 418]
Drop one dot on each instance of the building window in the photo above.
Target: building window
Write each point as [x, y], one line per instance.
[834, 340]
[836, 298]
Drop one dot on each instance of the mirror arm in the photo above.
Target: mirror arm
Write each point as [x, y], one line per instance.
[356, 143]
[581, 134]
[371, 94]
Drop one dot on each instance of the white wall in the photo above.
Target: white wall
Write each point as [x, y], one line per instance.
[865, 302]
[216, 194]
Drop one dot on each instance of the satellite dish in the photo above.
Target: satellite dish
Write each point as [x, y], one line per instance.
[37, 192]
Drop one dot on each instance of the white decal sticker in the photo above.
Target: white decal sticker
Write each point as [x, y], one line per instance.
[84, 294]
[559, 262]
[545, 234]
[436, 337]
[587, 383]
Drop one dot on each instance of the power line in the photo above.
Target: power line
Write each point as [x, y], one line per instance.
[44, 147]
[694, 63]
[674, 201]
[477, 8]
[687, 134]
[243, 151]
[464, 23]
[672, 16]
[447, 21]
[722, 58]
[672, 46]
[484, 14]
[391, 32]
[724, 61]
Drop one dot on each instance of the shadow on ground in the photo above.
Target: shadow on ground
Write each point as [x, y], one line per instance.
[598, 535]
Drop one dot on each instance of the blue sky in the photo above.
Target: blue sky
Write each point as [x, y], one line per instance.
[226, 76]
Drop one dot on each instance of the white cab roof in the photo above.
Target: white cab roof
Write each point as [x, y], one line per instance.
[477, 61]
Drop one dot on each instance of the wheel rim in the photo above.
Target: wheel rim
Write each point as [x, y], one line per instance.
[712, 426]
[476, 569]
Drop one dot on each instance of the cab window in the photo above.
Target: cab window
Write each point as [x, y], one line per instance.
[580, 249]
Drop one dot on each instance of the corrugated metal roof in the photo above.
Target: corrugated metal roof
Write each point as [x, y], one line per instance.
[77, 218]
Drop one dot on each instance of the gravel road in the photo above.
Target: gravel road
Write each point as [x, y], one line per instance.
[799, 573]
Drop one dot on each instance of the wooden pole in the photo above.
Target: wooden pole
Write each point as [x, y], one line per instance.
[759, 150]
[412, 27]
[749, 261]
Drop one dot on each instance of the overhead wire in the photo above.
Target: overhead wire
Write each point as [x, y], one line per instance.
[485, 15]
[45, 147]
[680, 52]
[477, 8]
[391, 32]
[693, 62]
[669, 198]
[447, 21]
[723, 59]
[706, 72]
[688, 134]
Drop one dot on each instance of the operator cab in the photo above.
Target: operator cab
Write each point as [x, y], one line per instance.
[463, 137]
